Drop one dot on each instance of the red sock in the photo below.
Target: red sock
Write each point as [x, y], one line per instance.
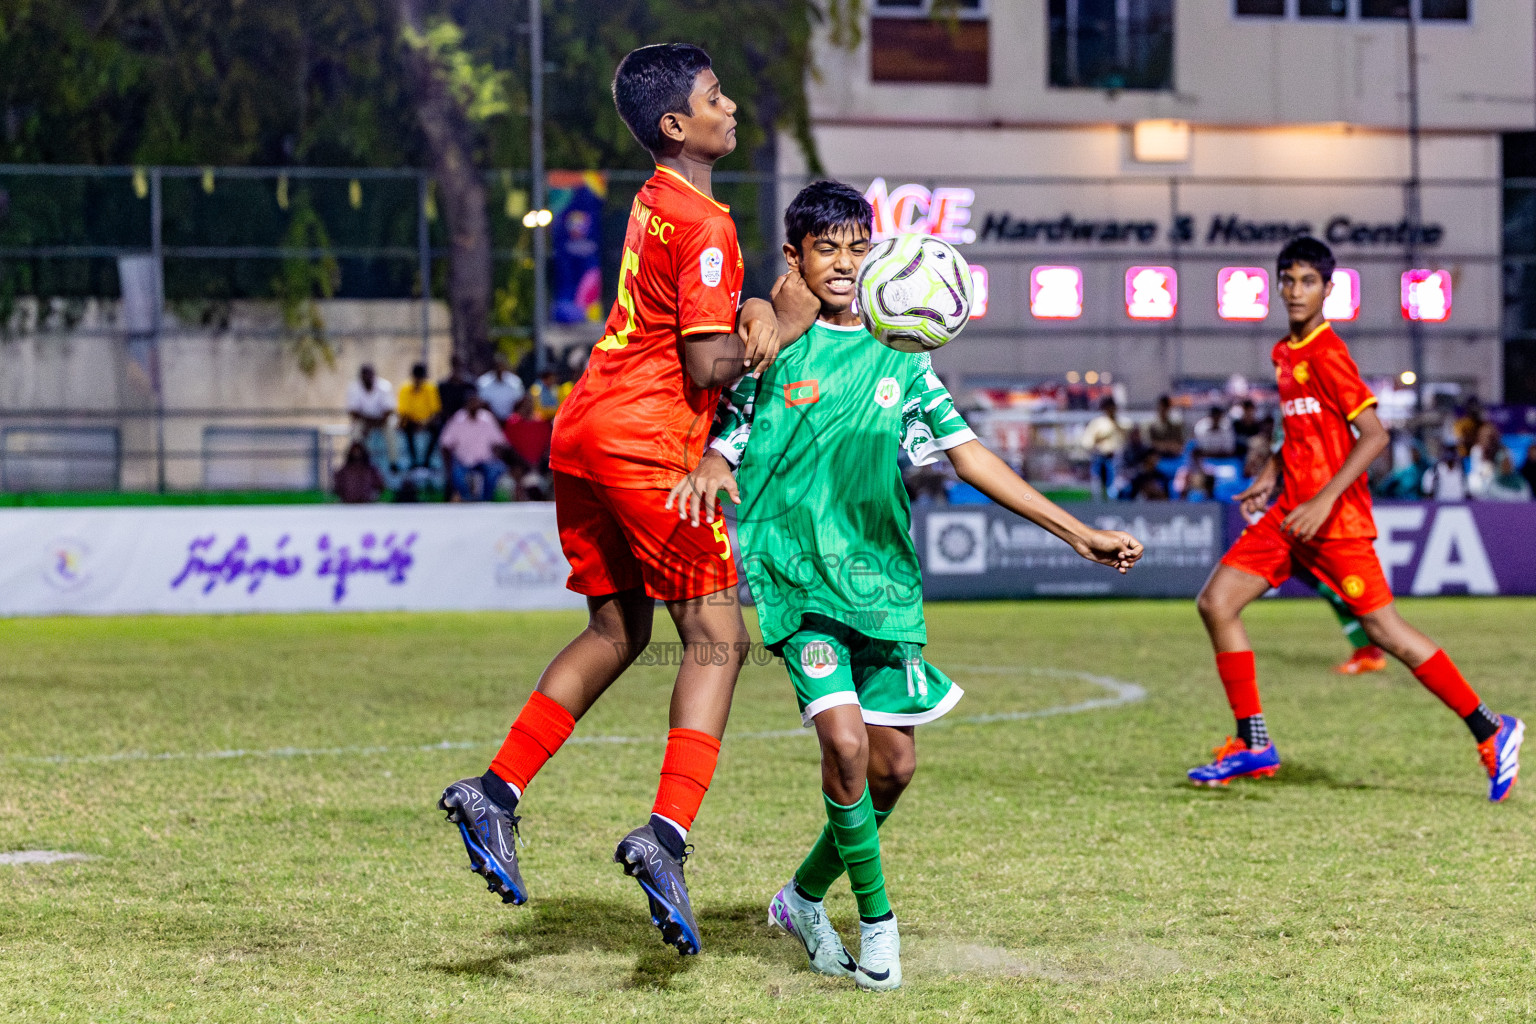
[538, 732]
[686, 769]
[1241, 682]
[1443, 679]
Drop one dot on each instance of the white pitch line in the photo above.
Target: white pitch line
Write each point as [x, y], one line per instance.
[41, 857]
[1122, 693]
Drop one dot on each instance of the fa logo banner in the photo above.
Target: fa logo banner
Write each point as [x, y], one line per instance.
[1451, 556]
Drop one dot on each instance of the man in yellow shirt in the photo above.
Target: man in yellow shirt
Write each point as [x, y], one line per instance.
[416, 407]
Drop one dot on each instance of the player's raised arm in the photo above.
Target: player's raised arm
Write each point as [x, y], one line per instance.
[990, 475]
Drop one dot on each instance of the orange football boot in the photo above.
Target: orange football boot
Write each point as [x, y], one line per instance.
[1365, 659]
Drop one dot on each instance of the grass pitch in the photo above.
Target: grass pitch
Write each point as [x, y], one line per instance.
[257, 794]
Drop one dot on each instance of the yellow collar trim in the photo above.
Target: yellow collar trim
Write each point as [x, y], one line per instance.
[1325, 325]
[690, 185]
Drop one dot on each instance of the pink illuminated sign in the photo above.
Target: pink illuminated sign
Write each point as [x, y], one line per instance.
[1242, 293]
[1056, 293]
[1427, 295]
[1343, 303]
[916, 209]
[1151, 293]
[978, 292]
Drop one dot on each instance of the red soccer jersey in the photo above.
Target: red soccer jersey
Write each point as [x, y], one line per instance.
[1320, 395]
[636, 419]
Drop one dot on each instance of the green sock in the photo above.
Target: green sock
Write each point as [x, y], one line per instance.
[1347, 621]
[823, 865]
[858, 843]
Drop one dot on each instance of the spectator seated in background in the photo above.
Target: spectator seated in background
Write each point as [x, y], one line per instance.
[527, 451]
[1492, 476]
[370, 403]
[417, 407]
[549, 394]
[1468, 425]
[500, 388]
[452, 391]
[1445, 480]
[1246, 427]
[1149, 483]
[1104, 437]
[473, 438]
[1193, 482]
[357, 481]
[1214, 436]
[1166, 433]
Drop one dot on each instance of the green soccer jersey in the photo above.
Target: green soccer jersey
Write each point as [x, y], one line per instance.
[824, 523]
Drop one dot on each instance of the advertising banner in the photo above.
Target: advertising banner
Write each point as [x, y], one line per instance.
[1432, 548]
[576, 279]
[987, 552]
[281, 559]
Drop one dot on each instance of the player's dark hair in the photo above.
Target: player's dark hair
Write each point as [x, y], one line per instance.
[1310, 251]
[654, 81]
[824, 205]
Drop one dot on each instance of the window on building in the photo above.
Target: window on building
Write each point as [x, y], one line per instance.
[935, 41]
[1322, 8]
[1369, 10]
[1111, 44]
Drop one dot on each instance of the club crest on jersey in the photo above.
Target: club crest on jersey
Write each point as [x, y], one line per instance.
[887, 392]
[711, 263]
[818, 659]
[1354, 586]
[1302, 372]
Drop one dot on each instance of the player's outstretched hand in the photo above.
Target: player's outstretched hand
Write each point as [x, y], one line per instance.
[1255, 498]
[700, 489]
[1114, 548]
[1303, 521]
[758, 328]
[795, 304]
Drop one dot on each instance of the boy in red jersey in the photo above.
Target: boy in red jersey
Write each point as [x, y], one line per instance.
[1322, 524]
[635, 424]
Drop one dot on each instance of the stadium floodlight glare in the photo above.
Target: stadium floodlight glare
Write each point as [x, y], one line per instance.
[978, 292]
[1343, 303]
[1073, 376]
[1408, 378]
[537, 219]
[1427, 295]
[1056, 293]
[1242, 293]
[1160, 141]
[1151, 293]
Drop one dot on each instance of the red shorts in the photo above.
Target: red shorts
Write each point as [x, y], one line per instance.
[618, 538]
[1348, 565]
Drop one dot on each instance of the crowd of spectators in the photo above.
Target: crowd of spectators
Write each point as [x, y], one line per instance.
[1227, 444]
[456, 438]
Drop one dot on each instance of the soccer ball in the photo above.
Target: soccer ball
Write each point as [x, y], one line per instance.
[914, 293]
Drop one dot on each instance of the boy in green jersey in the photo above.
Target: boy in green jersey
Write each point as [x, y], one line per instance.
[825, 533]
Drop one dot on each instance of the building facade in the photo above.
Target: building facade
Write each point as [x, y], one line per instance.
[1124, 172]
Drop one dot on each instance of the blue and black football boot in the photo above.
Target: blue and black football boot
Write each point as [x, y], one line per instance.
[490, 837]
[660, 874]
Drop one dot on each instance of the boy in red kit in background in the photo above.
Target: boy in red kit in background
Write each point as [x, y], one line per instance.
[635, 424]
[1322, 524]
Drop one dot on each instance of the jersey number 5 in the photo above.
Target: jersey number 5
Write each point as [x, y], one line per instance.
[629, 266]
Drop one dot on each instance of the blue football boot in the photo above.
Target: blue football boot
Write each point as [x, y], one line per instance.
[490, 837]
[661, 877]
[1501, 756]
[1235, 761]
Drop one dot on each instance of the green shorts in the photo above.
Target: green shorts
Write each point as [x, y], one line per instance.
[832, 664]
